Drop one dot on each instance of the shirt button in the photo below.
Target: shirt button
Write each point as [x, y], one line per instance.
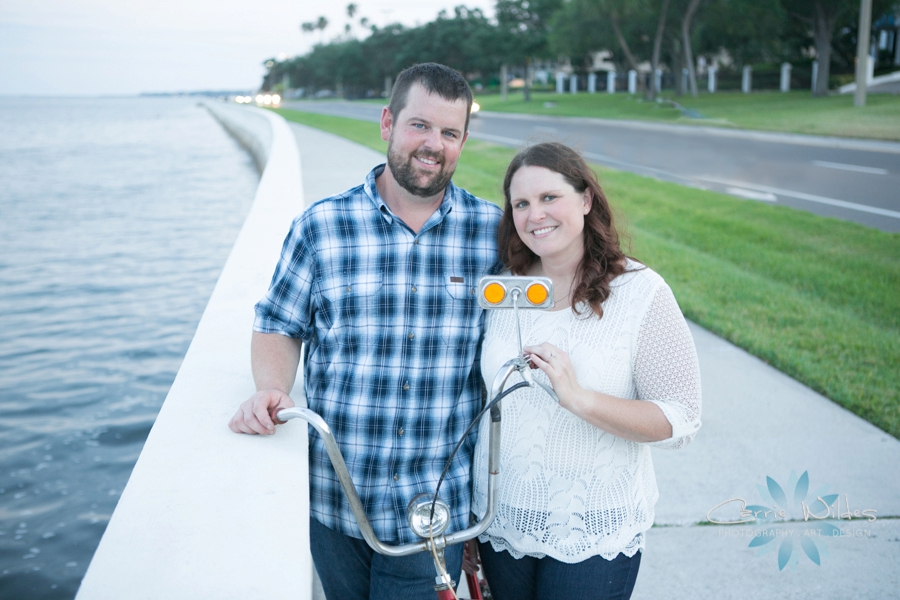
[413, 289]
[348, 288]
[411, 336]
[406, 387]
[400, 431]
[416, 242]
[396, 478]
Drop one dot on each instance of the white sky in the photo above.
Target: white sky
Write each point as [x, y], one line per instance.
[76, 47]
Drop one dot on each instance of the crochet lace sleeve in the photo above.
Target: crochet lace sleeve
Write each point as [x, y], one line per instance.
[666, 370]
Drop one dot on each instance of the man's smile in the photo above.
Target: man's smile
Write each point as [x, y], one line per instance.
[429, 162]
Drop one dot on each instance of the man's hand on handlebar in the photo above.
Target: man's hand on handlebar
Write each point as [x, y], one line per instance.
[258, 414]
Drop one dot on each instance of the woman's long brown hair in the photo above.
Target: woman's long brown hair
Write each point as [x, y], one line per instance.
[603, 259]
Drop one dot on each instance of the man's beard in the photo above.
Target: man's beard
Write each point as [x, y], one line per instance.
[405, 173]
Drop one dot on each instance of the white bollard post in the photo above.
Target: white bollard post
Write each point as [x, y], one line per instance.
[897, 48]
[592, 83]
[747, 79]
[711, 81]
[870, 69]
[658, 79]
[815, 75]
[610, 82]
[573, 84]
[632, 81]
[560, 83]
[786, 77]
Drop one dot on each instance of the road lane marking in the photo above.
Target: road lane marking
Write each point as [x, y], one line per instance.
[846, 167]
[751, 194]
[636, 168]
[809, 197]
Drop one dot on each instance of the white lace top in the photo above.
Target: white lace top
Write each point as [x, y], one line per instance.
[568, 489]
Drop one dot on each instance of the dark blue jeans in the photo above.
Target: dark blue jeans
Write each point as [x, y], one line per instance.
[549, 579]
[350, 570]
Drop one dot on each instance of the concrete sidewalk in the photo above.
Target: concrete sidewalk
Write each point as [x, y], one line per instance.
[757, 423]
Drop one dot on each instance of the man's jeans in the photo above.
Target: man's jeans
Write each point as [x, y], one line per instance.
[350, 570]
[549, 579]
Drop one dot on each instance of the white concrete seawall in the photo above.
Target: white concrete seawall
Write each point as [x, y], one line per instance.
[207, 513]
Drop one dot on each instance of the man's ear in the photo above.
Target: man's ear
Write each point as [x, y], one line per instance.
[465, 137]
[387, 123]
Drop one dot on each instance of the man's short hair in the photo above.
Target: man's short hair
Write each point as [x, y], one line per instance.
[436, 79]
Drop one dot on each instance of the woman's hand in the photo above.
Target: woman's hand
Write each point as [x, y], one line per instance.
[629, 419]
[559, 370]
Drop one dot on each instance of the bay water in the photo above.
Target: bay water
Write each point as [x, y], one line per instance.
[116, 218]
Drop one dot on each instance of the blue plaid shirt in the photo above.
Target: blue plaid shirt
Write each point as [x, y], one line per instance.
[392, 330]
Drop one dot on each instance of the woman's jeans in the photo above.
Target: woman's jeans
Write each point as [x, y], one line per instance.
[549, 579]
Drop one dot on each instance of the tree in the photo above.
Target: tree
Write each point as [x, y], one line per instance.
[619, 9]
[462, 42]
[822, 16]
[579, 29]
[625, 24]
[523, 28]
[657, 44]
[686, 19]
[752, 31]
[320, 24]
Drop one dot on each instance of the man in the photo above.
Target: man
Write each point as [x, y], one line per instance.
[379, 282]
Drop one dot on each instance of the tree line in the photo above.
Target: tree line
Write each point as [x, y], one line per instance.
[525, 35]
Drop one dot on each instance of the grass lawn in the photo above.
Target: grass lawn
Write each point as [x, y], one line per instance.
[794, 112]
[815, 297]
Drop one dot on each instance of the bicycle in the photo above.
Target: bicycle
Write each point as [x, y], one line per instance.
[428, 516]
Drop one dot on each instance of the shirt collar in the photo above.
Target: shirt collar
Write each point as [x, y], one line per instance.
[450, 195]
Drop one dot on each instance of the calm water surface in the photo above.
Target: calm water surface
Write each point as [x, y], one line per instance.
[116, 217]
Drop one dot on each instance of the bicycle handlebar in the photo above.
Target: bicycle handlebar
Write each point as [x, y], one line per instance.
[340, 468]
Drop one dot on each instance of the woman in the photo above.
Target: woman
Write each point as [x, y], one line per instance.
[577, 489]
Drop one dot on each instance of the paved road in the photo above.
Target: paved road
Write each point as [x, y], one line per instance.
[854, 180]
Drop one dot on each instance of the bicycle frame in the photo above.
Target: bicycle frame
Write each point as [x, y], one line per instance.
[435, 544]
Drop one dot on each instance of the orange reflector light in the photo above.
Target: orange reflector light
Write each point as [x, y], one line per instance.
[494, 293]
[537, 293]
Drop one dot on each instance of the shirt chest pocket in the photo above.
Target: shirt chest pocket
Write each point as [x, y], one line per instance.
[461, 327]
[350, 308]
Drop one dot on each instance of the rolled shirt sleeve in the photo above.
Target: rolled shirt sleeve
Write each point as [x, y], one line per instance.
[286, 308]
[666, 369]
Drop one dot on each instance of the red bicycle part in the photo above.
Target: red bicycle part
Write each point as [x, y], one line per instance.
[445, 594]
[474, 586]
